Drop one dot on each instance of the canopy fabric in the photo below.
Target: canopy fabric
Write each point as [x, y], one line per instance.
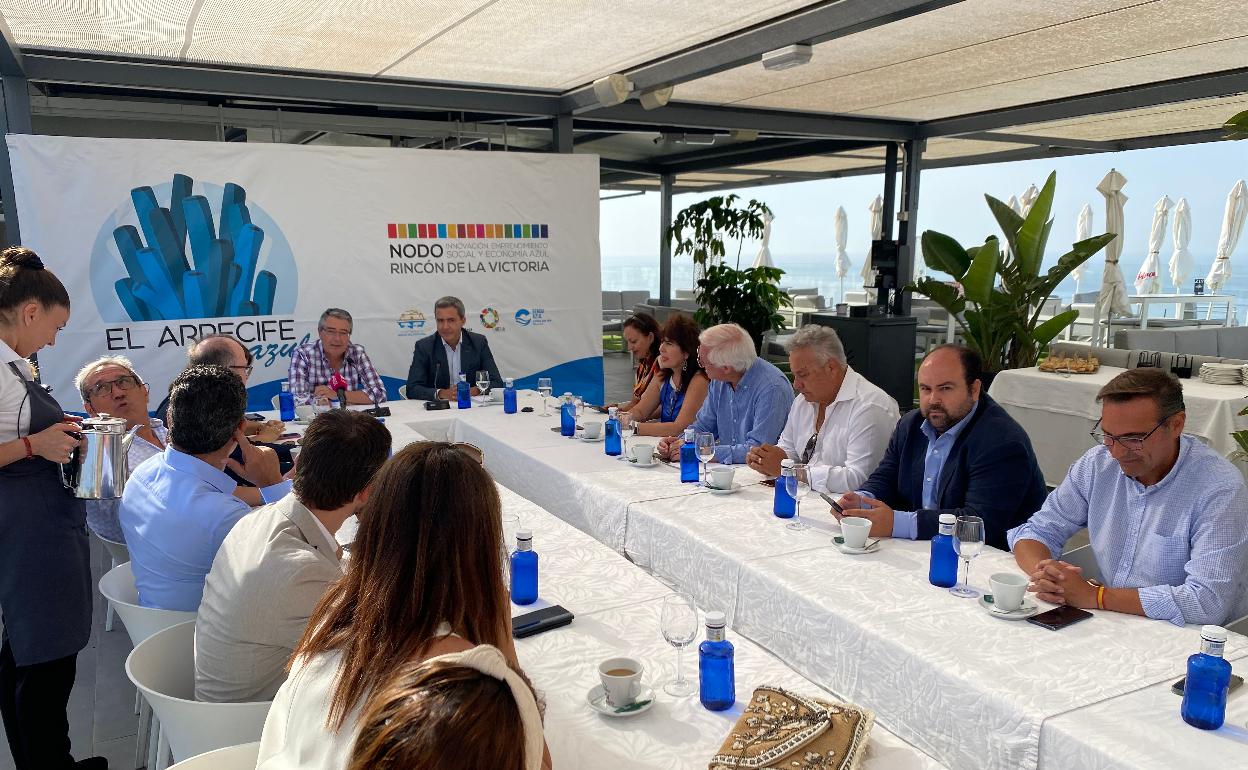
[1083, 231]
[1148, 279]
[1028, 200]
[1113, 297]
[764, 252]
[1232, 226]
[877, 231]
[1181, 262]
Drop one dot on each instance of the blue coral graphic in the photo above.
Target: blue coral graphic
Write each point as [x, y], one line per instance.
[162, 286]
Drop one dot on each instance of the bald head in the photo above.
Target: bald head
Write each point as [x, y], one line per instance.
[221, 350]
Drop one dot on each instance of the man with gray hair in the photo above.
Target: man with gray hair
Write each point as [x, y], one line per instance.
[746, 402]
[313, 364]
[439, 359]
[839, 424]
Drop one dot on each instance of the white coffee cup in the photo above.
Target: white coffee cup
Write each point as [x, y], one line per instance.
[1008, 589]
[621, 688]
[721, 478]
[855, 530]
[305, 411]
[592, 429]
[642, 452]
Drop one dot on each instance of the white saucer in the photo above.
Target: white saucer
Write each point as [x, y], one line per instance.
[840, 546]
[597, 700]
[1028, 608]
[635, 464]
[601, 437]
[736, 487]
[301, 421]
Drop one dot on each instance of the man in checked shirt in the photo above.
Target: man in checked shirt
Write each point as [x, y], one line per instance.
[313, 363]
[1165, 514]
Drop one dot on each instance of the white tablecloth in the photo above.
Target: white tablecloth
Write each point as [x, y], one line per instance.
[1058, 412]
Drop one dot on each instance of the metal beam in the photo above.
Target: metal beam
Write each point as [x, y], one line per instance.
[1046, 141]
[748, 153]
[561, 130]
[890, 192]
[826, 21]
[1206, 86]
[181, 78]
[639, 168]
[908, 223]
[780, 122]
[14, 119]
[665, 243]
[11, 60]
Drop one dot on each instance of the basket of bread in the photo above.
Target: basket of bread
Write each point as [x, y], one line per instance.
[1075, 364]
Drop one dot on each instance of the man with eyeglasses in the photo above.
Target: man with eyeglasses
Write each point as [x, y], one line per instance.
[109, 385]
[225, 350]
[314, 363]
[1165, 515]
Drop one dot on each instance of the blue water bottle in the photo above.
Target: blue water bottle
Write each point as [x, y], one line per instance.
[783, 504]
[524, 569]
[567, 416]
[463, 392]
[689, 459]
[286, 403]
[613, 442]
[509, 396]
[717, 687]
[942, 570]
[1208, 680]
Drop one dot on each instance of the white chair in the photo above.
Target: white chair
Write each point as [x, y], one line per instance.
[403, 392]
[1085, 559]
[277, 406]
[163, 668]
[119, 554]
[242, 757]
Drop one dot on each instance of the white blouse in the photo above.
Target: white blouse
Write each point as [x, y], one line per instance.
[14, 399]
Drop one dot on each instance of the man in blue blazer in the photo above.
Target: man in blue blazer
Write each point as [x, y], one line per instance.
[958, 453]
[438, 359]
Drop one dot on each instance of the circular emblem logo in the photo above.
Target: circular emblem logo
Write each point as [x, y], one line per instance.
[523, 317]
[489, 318]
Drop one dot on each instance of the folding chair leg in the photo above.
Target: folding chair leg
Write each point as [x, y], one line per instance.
[163, 756]
[142, 736]
[108, 618]
[154, 738]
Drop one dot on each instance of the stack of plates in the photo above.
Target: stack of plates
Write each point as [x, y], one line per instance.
[1222, 374]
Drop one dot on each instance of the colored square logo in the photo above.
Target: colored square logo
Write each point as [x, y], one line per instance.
[392, 231]
[441, 231]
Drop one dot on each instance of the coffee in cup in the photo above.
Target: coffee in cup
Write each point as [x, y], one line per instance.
[721, 477]
[855, 530]
[642, 452]
[621, 680]
[1008, 589]
[592, 429]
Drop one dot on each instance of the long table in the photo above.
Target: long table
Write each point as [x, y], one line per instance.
[967, 689]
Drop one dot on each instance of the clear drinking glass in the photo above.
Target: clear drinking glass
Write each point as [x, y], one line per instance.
[968, 541]
[798, 485]
[628, 429]
[483, 381]
[680, 628]
[545, 387]
[320, 404]
[511, 525]
[706, 450]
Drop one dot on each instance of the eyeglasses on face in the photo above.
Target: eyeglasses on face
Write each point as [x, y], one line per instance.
[1129, 443]
[335, 332]
[124, 382]
[242, 369]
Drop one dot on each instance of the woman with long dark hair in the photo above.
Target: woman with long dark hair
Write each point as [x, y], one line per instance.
[677, 393]
[424, 579]
[641, 336]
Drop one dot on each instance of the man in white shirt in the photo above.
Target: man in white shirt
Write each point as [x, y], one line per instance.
[839, 424]
[275, 564]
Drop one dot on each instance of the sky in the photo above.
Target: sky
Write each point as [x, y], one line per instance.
[951, 201]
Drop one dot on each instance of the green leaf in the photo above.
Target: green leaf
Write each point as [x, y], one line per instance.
[1007, 219]
[1237, 126]
[941, 293]
[982, 275]
[1030, 246]
[1045, 332]
[945, 254]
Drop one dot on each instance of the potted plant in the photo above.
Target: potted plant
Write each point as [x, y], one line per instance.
[1002, 293]
[726, 294]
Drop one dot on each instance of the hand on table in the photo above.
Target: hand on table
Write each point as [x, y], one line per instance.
[324, 391]
[260, 464]
[55, 442]
[876, 511]
[270, 431]
[765, 458]
[669, 447]
[446, 394]
[1060, 582]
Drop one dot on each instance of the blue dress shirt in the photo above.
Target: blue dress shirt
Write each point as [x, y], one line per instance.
[1183, 542]
[175, 511]
[906, 523]
[752, 414]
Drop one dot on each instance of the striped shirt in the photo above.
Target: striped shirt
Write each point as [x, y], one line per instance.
[309, 368]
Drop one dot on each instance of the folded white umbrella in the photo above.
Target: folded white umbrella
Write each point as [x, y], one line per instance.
[1083, 231]
[840, 229]
[1148, 279]
[1232, 226]
[1028, 200]
[1014, 204]
[764, 252]
[1181, 262]
[877, 230]
[1113, 297]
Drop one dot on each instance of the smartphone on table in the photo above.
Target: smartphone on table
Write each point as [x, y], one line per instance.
[832, 502]
[1059, 617]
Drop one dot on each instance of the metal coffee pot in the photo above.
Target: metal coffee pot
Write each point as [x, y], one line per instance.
[98, 468]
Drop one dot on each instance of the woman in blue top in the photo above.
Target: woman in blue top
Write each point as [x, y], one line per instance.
[679, 390]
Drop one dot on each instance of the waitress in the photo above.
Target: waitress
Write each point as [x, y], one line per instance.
[45, 568]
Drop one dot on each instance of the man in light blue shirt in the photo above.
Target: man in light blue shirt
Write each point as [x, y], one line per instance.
[747, 401]
[1167, 516]
[179, 505]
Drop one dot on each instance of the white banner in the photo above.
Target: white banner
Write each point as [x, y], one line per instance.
[159, 242]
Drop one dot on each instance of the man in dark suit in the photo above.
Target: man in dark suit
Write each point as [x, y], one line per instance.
[959, 453]
[438, 359]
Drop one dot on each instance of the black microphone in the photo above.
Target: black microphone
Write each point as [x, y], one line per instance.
[436, 373]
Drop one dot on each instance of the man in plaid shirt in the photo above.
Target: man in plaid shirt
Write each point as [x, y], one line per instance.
[314, 363]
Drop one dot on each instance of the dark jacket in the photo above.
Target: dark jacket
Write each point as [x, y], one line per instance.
[429, 361]
[991, 472]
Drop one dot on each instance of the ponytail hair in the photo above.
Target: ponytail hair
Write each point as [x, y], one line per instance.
[24, 278]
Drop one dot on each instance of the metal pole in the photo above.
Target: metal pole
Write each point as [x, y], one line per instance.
[908, 221]
[14, 119]
[665, 245]
[890, 190]
[562, 133]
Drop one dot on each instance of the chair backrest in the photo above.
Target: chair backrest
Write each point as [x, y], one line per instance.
[1085, 559]
[276, 403]
[117, 587]
[242, 757]
[162, 667]
[403, 391]
[630, 298]
[118, 551]
[612, 302]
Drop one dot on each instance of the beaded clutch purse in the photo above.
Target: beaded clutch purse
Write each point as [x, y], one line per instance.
[782, 730]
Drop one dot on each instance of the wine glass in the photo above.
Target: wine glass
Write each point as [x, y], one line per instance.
[798, 485]
[320, 405]
[706, 450]
[968, 541]
[511, 525]
[545, 387]
[680, 628]
[483, 381]
[628, 429]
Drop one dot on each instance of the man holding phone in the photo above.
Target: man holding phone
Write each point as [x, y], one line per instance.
[1164, 512]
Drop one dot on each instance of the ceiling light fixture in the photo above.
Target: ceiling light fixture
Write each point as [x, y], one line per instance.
[787, 57]
[656, 97]
[612, 89]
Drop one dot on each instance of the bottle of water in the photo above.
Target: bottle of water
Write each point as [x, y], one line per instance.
[1208, 680]
[463, 392]
[509, 396]
[286, 403]
[942, 570]
[783, 504]
[567, 416]
[717, 688]
[524, 569]
[689, 458]
[613, 441]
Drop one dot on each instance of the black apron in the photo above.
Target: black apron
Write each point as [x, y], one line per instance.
[45, 556]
